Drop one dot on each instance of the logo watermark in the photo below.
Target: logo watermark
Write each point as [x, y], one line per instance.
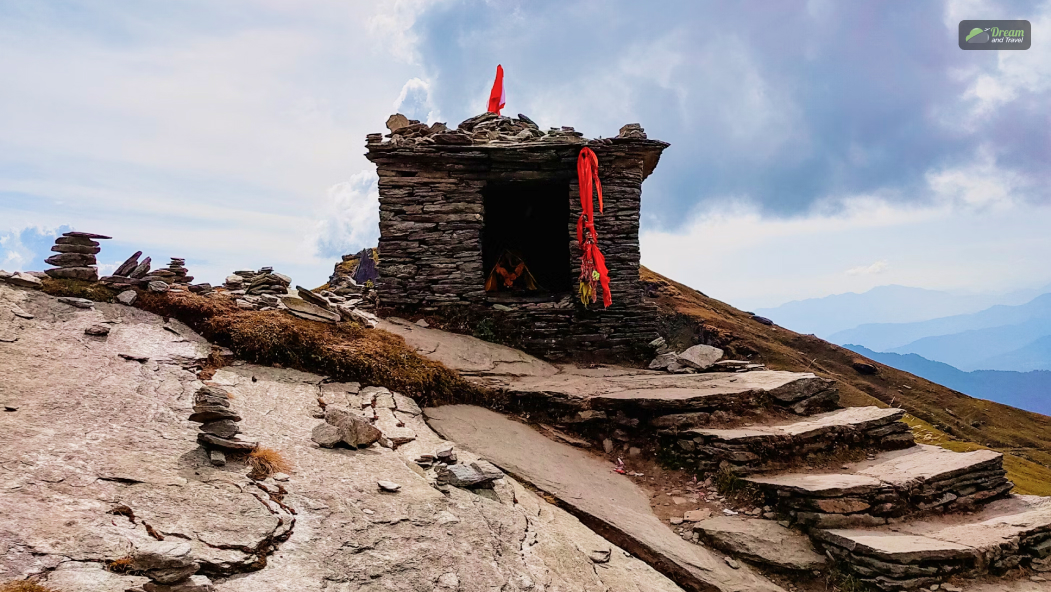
[995, 35]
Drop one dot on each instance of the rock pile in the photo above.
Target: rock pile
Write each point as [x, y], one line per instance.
[696, 358]
[128, 273]
[211, 408]
[20, 279]
[76, 256]
[359, 417]
[477, 474]
[169, 565]
[487, 128]
[257, 283]
[178, 269]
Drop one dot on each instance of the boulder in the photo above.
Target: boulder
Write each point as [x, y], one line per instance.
[127, 297]
[164, 562]
[305, 310]
[700, 356]
[662, 361]
[762, 320]
[396, 122]
[97, 330]
[354, 431]
[157, 286]
[141, 269]
[863, 367]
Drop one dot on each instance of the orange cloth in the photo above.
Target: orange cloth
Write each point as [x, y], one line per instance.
[591, 256]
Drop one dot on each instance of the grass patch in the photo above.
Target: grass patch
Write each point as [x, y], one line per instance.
[78, 289]
[484, 330]
[344, 351]
[267, 461]
[24, 586]
[727, 482]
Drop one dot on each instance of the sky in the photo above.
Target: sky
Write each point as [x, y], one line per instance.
[817, 147]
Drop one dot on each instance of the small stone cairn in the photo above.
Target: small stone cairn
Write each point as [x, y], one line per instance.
[76, 256]
[487, 128]
[257, 283]
[211, 408]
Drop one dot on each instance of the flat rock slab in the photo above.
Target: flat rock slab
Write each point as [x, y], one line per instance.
[997, 522]
[925, 463]
[848, 418]
[608, 502]
[763, 541]
[891, 546]
[820, 485]
[616, 388]
[900, 468]
[466, 354]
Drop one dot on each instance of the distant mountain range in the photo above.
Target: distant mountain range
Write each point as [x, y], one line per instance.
[1001, 337]
[831, 315]
[1026, 390]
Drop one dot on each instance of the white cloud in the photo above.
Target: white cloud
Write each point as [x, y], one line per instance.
[979, 184]
[414, 101]
[877, 267]
[351, 222]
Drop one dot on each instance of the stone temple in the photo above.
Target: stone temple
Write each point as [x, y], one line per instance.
[481, 222]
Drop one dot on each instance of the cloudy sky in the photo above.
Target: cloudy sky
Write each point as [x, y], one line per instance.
[817, 147]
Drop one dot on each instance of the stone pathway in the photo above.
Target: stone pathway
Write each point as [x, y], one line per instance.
[610, 503]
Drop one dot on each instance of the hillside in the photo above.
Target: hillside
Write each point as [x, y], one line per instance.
[939, 415]
[1025, 390]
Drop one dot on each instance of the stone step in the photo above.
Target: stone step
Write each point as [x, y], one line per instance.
[785, 443]
[1007, 533]
[893, 484]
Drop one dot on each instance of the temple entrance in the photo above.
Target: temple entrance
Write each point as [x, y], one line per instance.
[525, 238]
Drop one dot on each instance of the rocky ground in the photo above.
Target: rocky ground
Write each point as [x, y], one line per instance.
[104, 476]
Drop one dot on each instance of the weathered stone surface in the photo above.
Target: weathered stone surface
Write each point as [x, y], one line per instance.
[157, 286]
[700, 356]
[305, 310]
[127, 297]
[763, 541]
[406, 405]
[82, 249]
[77, 302]
[212, 413]
[467, 354]
[589, 488]
[104, 440]
[663, 361]
[90, 274]
[326, 435]
[24, 280]
[396, 122]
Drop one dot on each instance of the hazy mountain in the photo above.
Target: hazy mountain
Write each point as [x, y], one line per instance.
[1033, 356]
[1026, 390]
[973, 350]
[894, 336]
[884, 304]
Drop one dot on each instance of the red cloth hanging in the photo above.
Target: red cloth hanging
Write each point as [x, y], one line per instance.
[591, 259]
[497, 98]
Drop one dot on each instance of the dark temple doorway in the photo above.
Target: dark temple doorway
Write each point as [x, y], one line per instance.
[527, 222]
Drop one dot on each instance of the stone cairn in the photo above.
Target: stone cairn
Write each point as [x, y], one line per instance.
[211, 408]
[76, 256]
[257, 283]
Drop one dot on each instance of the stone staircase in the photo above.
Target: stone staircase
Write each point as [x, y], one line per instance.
[896, 515]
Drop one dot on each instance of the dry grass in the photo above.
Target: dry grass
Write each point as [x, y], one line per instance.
[119, 565]
[344, 351]
[267, 461]
[78, 289]
[24, 586]
[688, 317]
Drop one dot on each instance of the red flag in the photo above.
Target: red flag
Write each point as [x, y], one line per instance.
[497, 99]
